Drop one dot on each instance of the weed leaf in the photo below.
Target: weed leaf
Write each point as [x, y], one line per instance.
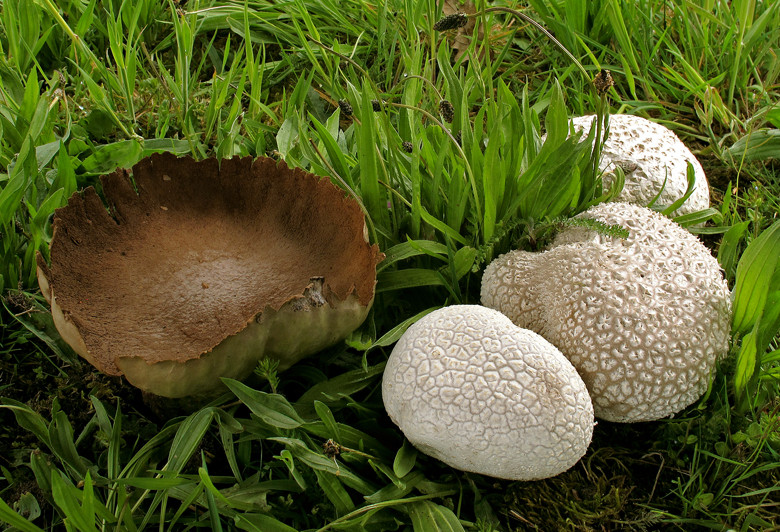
[12, 518]
[273, 409]
[431, 517]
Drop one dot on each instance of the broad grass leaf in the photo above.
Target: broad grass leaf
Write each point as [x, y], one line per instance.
[746, 362]
[42, 468]
[335, 154]
[371, 192]
[335, 492]
[154, 483]
[28, 505]
[138, 463]
[7, 515]
[211, 488]
[28, 419]
[755, 272]
[272, 408]
[66, 498]
[691, 178]
[328, 419]
[441, 226]
[261, 523]
[108, 157]
[113, 466]
[729, 246]
[216, 523]
[412, 248]
[693, 219]
[175, 146]
[350, 437]
[404, 459]
[211, 493]
[394, 334]
[454, 86]
[19, 179]
[46, 209]
[431, 517]
[757, 146]
[320, 462]
[88, 503]
[288, 460]
[388, 281]
[773, 116]
[464, 260]
[62, 444]
[335, 389]
[65, 177]
[46, 152]
[556, 120]
[287, 135]
[35, 108]
[187, 496]
[251, 495]
[228, 426]
[188, 437]
[393, 491]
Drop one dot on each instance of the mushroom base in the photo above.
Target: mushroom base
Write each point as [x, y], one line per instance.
[288, 336]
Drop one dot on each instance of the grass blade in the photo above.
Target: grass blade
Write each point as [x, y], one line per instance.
[12, 518]
[754, 274]
[428, 516]
[273, 409]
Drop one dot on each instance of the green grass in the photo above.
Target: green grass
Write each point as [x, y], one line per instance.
[88, 86]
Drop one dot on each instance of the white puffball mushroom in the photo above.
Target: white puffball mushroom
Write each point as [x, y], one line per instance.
[468, 387]
[643, 319]
[648, 153]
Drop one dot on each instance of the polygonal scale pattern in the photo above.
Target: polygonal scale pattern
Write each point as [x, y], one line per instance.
[643, 319]
[652, 158]
[468, 387]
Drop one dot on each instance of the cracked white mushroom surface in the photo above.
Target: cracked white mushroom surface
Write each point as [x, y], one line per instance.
[468, 387]
[648, 153]
[643, 319]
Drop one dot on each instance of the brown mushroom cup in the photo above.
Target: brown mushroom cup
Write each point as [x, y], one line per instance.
[192, 271]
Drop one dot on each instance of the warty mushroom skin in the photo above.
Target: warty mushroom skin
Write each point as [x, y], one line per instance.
[468, 387]
[648, 153]
[643, 319]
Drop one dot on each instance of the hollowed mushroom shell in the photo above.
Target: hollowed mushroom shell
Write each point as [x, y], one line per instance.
[192, 271]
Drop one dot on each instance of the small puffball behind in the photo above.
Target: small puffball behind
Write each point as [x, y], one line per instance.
[468, 387]
[643, 319]
[649, 153]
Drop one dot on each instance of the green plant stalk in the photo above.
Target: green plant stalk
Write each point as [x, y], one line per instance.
[92, 58]
[385, 504]
[602, 124]
[472, 180]
[541, 28]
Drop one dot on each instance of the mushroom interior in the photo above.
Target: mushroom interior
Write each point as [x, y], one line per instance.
[186, 254]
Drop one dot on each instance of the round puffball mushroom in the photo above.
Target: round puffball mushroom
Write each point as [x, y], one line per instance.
[186, 272]
[643, 319]
[648, 153]
[468, 387]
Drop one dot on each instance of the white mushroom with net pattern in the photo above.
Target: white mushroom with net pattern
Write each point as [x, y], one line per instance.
[468, 387]
[644, 319]
[654, 161]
